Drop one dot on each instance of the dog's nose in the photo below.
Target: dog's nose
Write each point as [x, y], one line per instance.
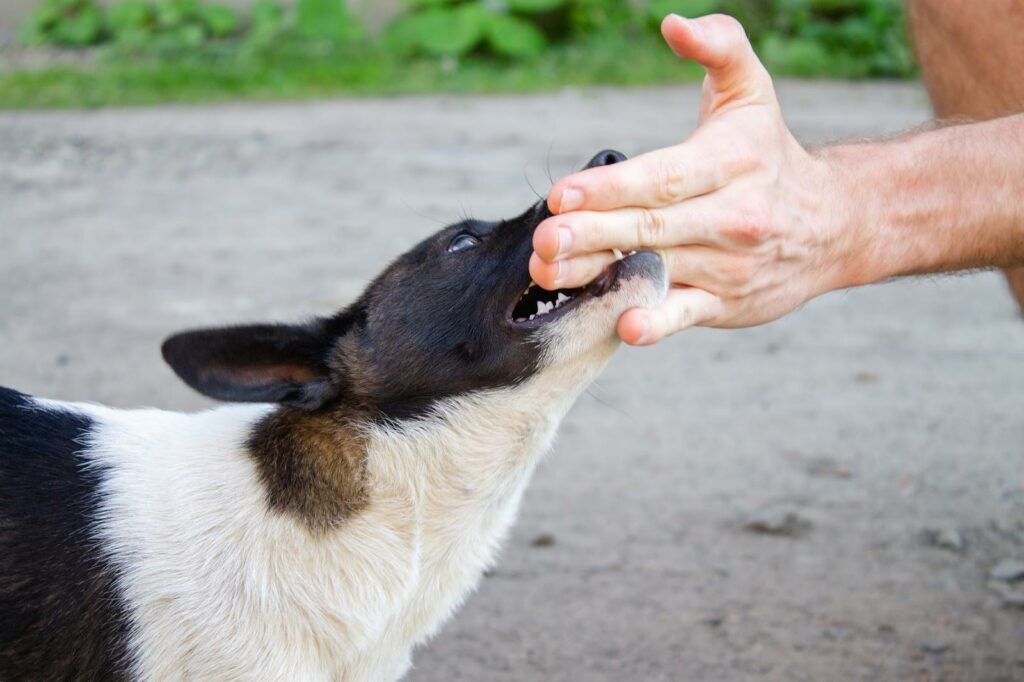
[606, 158]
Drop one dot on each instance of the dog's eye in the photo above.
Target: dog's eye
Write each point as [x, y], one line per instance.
[463, 242]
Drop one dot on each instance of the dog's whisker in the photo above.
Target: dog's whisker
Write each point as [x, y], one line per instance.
[526, 176]
[425, 216]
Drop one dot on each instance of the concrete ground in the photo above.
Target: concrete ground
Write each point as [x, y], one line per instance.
[879, 431]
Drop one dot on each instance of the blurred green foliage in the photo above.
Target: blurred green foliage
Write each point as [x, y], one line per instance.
[301, 47]
[74, 23]
[454, 28]
[843, 38]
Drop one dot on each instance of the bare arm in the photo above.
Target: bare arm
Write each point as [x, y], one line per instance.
[938, 201]
[751, 225]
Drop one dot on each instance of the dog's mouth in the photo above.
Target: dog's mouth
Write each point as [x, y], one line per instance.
[537, 306]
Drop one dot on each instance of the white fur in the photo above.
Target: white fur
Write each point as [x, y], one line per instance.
[220, 587]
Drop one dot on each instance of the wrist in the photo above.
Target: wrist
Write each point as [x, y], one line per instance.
[864, 246]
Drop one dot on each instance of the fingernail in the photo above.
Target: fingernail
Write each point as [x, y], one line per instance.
[645, 331]
[572, 199]
[564, 240]
[560, 270]
[695, 29]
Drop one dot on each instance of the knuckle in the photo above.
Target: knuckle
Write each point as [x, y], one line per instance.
[726, 22]
[668, 182]
[733, 30]
[650, 228]
[684, 317]
[751, 228]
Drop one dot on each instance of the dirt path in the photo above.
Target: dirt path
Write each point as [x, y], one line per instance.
[873, 416]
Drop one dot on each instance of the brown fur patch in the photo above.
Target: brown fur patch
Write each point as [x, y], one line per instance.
[313, 464]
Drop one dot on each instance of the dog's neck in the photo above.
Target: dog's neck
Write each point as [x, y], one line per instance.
[476, 450]
[321, 467]
[312, 464]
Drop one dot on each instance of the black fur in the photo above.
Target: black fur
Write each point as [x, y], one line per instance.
[276, 363]
[432, 325]
[61, 617]
[435, 324]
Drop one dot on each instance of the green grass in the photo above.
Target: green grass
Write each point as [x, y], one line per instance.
[300, 71]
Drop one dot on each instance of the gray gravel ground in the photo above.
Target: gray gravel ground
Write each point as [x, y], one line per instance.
[818, 499]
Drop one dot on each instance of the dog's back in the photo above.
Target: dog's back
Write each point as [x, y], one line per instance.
[62, 618]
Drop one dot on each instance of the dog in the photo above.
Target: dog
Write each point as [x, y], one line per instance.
[336, 518]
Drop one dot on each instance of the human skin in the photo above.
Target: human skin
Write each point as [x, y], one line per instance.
[751, 225]
[971, 59]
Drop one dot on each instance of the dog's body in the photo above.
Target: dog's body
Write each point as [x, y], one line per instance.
[320, 538]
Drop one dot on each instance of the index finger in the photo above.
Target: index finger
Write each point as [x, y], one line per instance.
[652, 180]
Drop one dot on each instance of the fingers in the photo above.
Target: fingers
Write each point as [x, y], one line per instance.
[683, 307]
[719, 43]
[703, 221]
[659, 178]
[567, 274]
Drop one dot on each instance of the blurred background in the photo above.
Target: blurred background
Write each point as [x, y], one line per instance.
[102, 52]
[835, 496]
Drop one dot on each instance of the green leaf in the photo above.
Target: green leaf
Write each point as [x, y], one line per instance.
[449, 32]
[186, 36]
[659, 9]
[534, 6]
[75, 23]
[220, 20]
[324, 20]
[513, 36]
[172, 14]
[85, 27]
[130, 16]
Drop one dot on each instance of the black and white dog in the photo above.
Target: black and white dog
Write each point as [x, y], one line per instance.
[325, 531]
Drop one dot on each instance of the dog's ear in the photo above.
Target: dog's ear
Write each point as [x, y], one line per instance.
[265, 363]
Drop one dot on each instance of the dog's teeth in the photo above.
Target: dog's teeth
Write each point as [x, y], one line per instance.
[618, 254]
[532, 316]
[562, 298]
[520, 319]
[631, 253]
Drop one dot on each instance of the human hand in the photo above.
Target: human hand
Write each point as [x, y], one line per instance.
[743, 216]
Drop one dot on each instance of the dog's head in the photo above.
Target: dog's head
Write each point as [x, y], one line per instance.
[455, 314]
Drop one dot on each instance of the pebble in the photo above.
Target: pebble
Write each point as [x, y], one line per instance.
[543, 540]
[946, 538]
[777, 520]
[935, 647]
[1008, 595]
[713, 621]
[1007, 570]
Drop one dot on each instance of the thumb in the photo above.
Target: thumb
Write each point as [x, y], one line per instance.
[719, 44]
[683, 307]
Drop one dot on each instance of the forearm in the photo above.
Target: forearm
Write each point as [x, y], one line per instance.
[939, 201]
